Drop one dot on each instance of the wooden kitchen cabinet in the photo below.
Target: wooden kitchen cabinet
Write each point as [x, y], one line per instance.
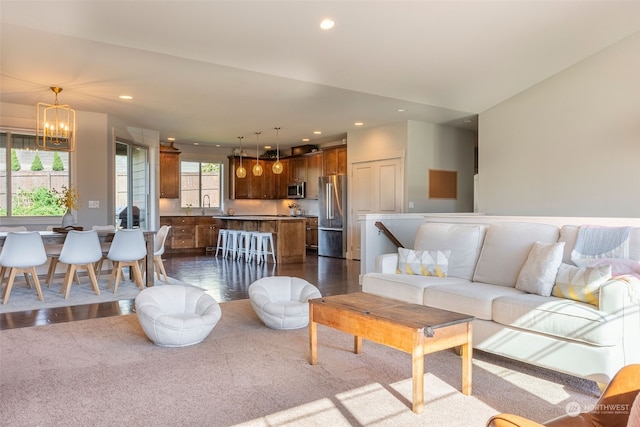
[312, 233]
[297, 169]
[335, 161]
[206, 232]
[183, 232]
[191, 233]
[282, 180]
[169, 172]
[314, 171]
[238, 187]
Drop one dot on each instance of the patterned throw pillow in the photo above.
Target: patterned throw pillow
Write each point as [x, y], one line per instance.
[424, 263]
[581, 283]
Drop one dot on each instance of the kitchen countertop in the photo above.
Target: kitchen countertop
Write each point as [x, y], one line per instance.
[262, 217]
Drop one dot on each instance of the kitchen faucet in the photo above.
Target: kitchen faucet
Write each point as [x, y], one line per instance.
[208, 204]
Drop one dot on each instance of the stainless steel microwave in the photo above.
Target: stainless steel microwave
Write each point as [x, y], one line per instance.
[296, 190]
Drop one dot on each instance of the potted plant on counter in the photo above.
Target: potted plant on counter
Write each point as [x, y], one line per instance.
[293, 208]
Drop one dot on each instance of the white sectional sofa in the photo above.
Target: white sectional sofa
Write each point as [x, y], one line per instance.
[485, 262]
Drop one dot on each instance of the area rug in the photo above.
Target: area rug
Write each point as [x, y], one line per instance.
[105, 372]
[23, 298]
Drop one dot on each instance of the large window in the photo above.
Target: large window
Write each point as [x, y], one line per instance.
[200, 185]
[33, 176]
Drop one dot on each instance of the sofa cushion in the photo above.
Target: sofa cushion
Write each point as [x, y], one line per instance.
[423, 263]
[464, 241]
[474, 299]
[505, 249]
[403, 287]
[581, 283]
[539, 271]
[559, 317]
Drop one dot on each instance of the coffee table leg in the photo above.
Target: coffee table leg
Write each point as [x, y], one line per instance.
[357, 344]
[313, 339]
[417, 362]
[467, 363]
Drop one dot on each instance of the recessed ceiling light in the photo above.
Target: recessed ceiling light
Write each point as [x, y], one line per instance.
[358, 124]
[305, 139]
[317, 132]
[327, 24]
[401, 110]
[125, 97]
[171, 138]
[267, 147]
[196, 143]
[217, 145]
[467, 121]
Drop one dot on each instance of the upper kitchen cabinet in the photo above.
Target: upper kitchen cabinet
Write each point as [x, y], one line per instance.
[314, 171]
[335, 161]
[297, 169]
[282, 180]
[251, 186]
[169, 172]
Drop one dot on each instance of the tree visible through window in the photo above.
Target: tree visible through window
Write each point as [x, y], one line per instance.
[32, 175]
[200, 185]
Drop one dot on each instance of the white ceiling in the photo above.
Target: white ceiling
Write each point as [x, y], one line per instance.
[210, 71]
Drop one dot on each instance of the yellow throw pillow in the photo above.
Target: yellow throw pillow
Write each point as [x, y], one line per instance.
[581, 283]
[424, 263]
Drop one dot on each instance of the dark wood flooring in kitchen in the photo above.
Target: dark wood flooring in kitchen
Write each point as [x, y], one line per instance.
[226, 279]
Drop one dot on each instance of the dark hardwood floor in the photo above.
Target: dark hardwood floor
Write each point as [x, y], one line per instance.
[226, 280]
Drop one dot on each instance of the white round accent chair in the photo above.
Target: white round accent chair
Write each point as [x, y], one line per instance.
[176, 315]
[281, 302]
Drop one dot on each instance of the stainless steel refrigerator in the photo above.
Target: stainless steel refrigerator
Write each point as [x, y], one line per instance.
[332, 216]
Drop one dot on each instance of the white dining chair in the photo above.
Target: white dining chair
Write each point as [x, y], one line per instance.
[81, 250]
[105, 246]
[128, 248]
[22, 252]
[6, 229]
[158, 250]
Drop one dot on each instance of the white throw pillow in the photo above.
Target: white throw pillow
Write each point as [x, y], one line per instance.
[538, 274]
[424, 263]
[581, 283]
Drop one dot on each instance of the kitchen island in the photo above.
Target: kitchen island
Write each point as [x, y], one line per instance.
[289, 233]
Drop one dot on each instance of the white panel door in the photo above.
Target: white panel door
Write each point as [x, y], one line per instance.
[375, 187]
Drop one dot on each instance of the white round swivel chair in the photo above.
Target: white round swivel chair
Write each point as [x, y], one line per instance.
[177, 316]
[281, 302]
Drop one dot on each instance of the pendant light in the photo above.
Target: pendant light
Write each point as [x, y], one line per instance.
[56, 125]
[241, 172]
[257, 168]
[277, 167]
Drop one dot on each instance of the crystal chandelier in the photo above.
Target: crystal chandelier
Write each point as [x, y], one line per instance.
[277, 167]
[257, 168]
[241, 172]
[56, 125]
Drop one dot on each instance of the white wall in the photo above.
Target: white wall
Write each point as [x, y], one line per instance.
[569, 146]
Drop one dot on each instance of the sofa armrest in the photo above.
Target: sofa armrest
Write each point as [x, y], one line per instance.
[620, 293]
[387, 263]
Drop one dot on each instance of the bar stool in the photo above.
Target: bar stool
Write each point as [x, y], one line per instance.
[244, 245]
[232, 244]
[223, 234]
[263, 246]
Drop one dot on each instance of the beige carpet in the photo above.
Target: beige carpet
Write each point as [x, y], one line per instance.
[105, 372]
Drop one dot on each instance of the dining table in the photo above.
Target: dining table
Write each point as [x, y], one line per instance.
[57, 238]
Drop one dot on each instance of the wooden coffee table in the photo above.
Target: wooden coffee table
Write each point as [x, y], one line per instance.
[412, 328]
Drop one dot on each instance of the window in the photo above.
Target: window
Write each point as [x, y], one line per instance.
[200, 185]
[33, 176]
